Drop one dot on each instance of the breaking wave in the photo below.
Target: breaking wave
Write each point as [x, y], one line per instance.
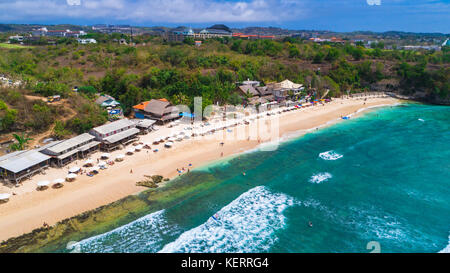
[142, 235]
[320, 177]
[247, 224]
[330, 155]
[447, 248]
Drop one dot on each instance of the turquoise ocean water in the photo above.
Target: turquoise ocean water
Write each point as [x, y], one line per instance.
[384, 177]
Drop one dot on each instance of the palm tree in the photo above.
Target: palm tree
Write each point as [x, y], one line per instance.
[21, 144]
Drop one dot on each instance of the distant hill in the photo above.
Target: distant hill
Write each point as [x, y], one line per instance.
[18, 28]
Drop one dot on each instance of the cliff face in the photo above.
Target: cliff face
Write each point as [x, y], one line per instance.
[436, 100]
[418, 96]
[394, 87]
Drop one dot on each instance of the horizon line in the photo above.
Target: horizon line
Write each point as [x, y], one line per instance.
[242, 27]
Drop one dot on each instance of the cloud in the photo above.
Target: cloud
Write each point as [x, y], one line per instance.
[173, 11]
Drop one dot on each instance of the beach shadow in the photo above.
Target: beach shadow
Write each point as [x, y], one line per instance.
[42, 188]
[8, 184]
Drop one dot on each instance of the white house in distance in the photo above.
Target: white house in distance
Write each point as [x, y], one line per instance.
[16, 38]
[39, 32]
[87, 41]
[43, 31]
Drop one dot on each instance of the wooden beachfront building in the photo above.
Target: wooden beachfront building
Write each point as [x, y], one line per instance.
[144, 125]
[22, 164]
[160, 110]
[282, 89]
[66, 151]
[114, 134]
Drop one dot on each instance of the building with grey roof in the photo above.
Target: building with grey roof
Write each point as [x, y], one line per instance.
[144, 125]
[161, 111]
[248, 90]
[71, 149]
[264, 91]
[214, 31]
[252, 83]
[22, 164]
[112, 135]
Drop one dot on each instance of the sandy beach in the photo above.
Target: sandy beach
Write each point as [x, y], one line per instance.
[29, 209]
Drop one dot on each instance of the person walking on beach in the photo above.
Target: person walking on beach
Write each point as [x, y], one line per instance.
[131, 170]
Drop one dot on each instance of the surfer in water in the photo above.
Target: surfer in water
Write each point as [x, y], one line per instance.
[310, 224]
[216, 218]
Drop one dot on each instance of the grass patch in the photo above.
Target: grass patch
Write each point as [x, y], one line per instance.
[13, 46]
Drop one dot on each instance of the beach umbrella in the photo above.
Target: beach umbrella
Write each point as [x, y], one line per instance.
[88, 162]
[130, 150]
[168, 144]
[94, 169]
[120, 157]
[71, 177]
[105, 155]
[43, 183]
[58, 182]
[138, 147]
[147, 145]
[4, 196]
[74, 169]
[171, 139]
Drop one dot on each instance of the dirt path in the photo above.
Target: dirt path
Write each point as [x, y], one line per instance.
[37, 139]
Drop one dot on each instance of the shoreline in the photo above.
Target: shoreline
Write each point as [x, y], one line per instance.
[29, 208]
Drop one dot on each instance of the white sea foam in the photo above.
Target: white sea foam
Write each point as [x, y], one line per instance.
[375, 106]
[142, 235]
[421, 120]
[447, 248]
[320, 177]
[247, 224]
[330, 155]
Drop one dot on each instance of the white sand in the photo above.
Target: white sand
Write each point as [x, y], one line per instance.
[29, 209]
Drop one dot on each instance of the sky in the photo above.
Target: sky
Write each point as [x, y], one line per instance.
[334, 15]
